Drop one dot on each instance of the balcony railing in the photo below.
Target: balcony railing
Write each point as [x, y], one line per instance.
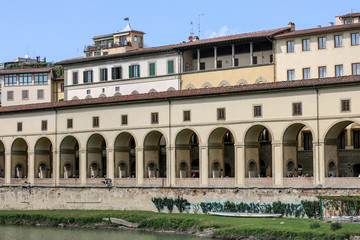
[90, 48]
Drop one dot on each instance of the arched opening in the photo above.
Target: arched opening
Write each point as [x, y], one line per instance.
[221, 150]
[155, 155]
[2, 160]
[216, 170]
[124, 150]
[258, 152]
[69, 158]
[341, 150]
[96, 156]
[43, 158]
[298, 151]
[187, 152]
[19, 158]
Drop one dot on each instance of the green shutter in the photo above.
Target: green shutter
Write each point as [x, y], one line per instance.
[91, 76]
[101, 74]
[130, 72]
[138, 70]
[84, 76]
[113, 73]
[170, 67]
[120, 72]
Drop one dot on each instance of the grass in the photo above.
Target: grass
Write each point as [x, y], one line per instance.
[227, 227]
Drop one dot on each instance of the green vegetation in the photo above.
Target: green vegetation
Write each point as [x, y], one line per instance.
[225, 227]
[345, 205]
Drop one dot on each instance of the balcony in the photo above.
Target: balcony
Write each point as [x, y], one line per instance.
[91, 48]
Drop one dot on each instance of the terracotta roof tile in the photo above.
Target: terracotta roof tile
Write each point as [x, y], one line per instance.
[319, 30]
[350, 15]
[25, 70]
[217, 91]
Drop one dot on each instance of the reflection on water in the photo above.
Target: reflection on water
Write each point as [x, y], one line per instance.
[53, 233]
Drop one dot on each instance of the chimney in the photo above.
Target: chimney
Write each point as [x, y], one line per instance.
[332, 23]
[196, 38]
[291, 25]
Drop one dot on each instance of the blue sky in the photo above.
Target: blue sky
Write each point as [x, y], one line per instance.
[60, 29]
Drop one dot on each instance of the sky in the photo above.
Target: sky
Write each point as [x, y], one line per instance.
[59, 30]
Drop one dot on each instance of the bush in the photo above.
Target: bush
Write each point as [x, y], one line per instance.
[314, 225]
[335, 226]
[169, 203]
[206, 207]
[159, 203]
[182, 204]
[311, 208]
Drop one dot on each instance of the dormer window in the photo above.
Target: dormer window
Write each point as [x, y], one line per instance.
[348, 21]
[135, 38]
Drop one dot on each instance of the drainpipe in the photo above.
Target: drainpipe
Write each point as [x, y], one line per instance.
[55, 170]
[169, 126]
[318, 130]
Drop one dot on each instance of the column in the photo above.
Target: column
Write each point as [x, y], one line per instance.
[278, 166]
[7, 167]
[239, 165]
[56, 170]
[139, 166]
[204, 165]
[215, 57]
[319, 164]
[232, 55]
[110, 163]
[171, 152]
[31, 168]
[82, 170]
[348, 144]
[198, 59]
[251, 53]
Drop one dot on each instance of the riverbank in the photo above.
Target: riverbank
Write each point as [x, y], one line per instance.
[192, 224]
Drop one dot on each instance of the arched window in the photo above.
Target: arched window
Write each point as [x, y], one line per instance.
[252, 170]
[94, 170]
[67, 170]
[19, 172]
[183, 170]
[122, 170]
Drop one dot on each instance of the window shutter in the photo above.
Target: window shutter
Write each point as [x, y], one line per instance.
[138, 70]
[91, 76]
[130, 72]
[101, 74]
[112, 73]
[84, 76]
[120, 72]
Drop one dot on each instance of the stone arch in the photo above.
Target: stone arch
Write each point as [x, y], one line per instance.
[252, 169]
[298, 147]
[69, 154]
[258, 148]
[339, 150]
[88, 97]
[187, 151]
[224, 83]
[2, 160]
[124, 152]
[190, 86]
[96, 153]
[206, 85]
[152, 91]
[102, 95]
[117, 94]
[242, 82]
[171, 89]
[43, 156]
[155, 152]
[75, 98]
[221, 148]
[134, 92]
[260, 80]
[19, 157]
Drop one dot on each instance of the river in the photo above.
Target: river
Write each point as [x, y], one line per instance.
[8, 232]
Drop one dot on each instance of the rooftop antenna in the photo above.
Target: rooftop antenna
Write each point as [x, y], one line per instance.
[192, 28]
[201, 14]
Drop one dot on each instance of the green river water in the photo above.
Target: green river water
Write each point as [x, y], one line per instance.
[8, 232]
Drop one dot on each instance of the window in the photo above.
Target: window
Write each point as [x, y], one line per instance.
[117, 89]
[338, 70]
[103, 90]
[202, 66]
[354, 39]
[307, 141]
[88, 54]
[40, 78]
[25, 79]
[10, 95]
[75, 77]
[103, 74]
[356, 69]
[25, 94]
[186, 116]
[257, 111]
[290, 46]
[62, 87]
[154, 118]
[151, 69]
[306, 73]
[44, 125]
[88, 76]
[105, 53]
[124, 119]
[19, 126]
[10, 80]
[135, 38]
[322, 42]
[306, 44]
[97, 53]
[134, 71]
[297, 109]
[116, 73]
[338, 41]
[40, 94]
[70, 123]
[219, 64]
[95, 121]
[345, 105]
[254, 58]
[271, 58]
[221, 114]
[170, 65]
[88, 91]
[356, 138]
[122, 41]
[322, 72]
[348, 21]
[236, 63]
[291, 75]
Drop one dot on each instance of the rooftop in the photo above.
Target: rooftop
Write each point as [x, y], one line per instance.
[25, 70]
[350, 15]
[181, 94]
